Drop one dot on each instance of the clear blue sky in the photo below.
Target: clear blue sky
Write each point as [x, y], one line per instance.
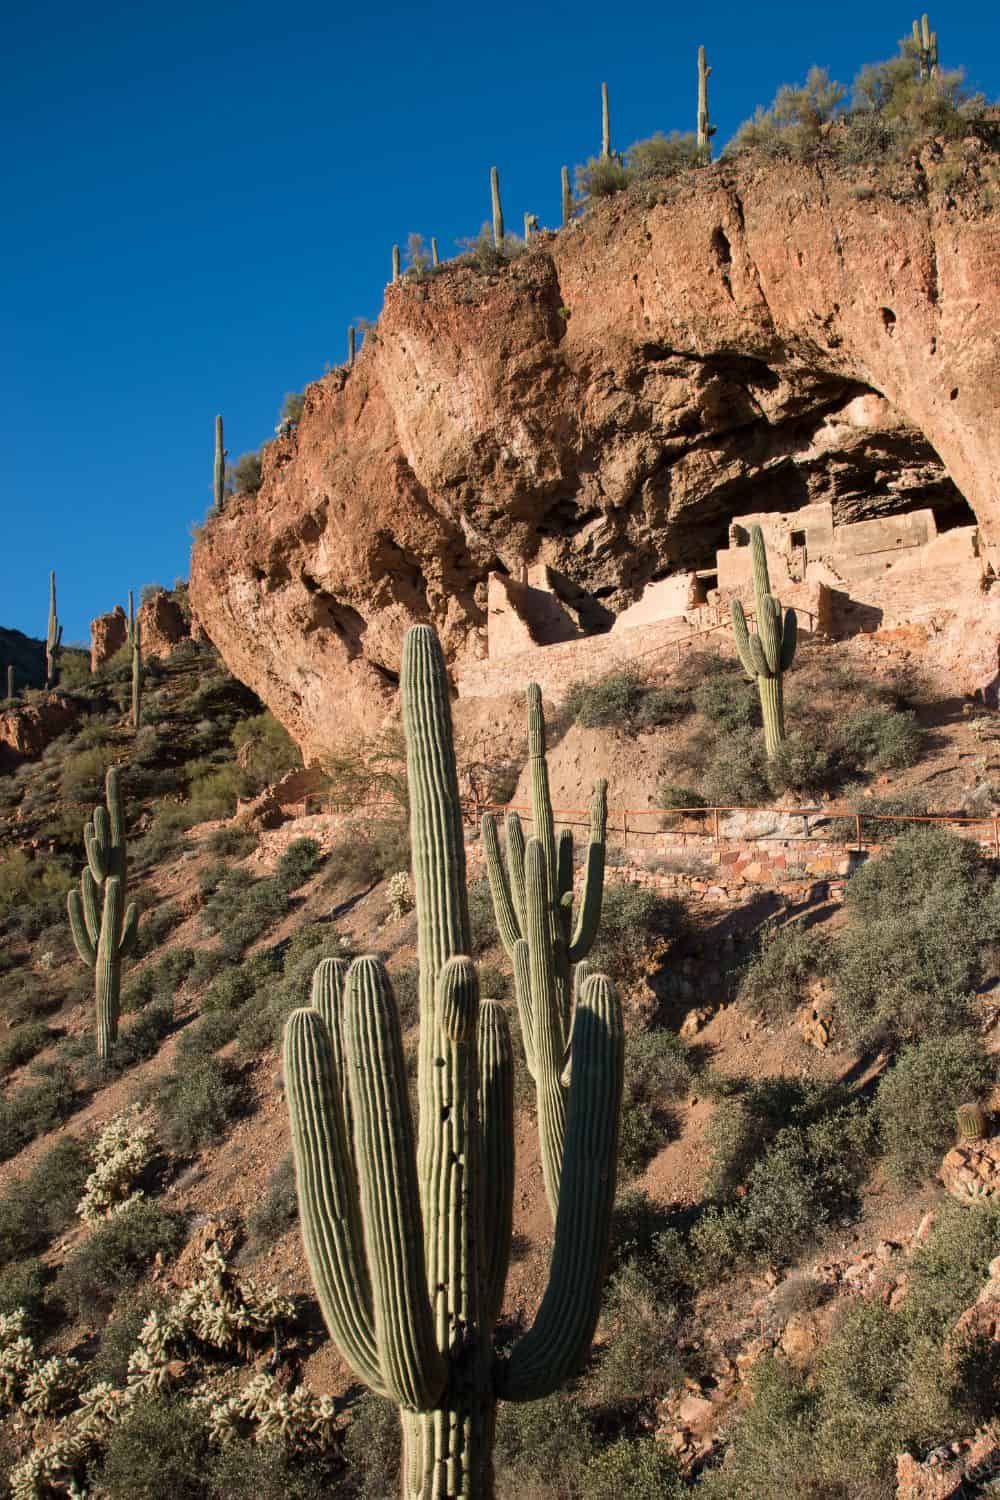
[199, 200]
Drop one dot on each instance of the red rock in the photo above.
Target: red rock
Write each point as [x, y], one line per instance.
[27, 729]
[108, 634]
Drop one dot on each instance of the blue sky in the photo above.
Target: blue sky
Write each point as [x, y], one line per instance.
[199, 200]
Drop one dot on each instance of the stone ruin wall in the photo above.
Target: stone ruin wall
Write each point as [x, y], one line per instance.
[884, 572]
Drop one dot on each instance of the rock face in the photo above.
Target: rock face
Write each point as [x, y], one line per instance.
[107, 636]
[604, 406]
[26, 730]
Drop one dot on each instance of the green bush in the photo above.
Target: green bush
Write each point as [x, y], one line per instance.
[657, 1071]
[298, 863]
[22, 1044]
[776, 979]
[160, 1447]
[638, 1360]
[669, 796]
[879, 738]
[82, 776]
[799, 765]
[35, 1108]
[266, 750]
[372, 1448]
[293, 406]
[542, 1448]
[369, 853]
[736, 774]
[197, 1104]
[29, 882]
[23, 1286]
[245, 476]
[278, 1210]
[36, 1208]
[234, 842]
[916, 1101]
[116, 1254]
[793, 126]
[634, 919]
[213, 792]
[728, 702]
[923, 922]
[611, 702]
[662, 156]
[120, 1334]
[634, 1469]
[601, 177]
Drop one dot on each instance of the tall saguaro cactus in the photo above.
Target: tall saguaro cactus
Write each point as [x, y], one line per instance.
[219, 470]
[605, 122]
[926, 44]
[136, 634]
[105, 936]
[408, 1241]
[498, 232]
[767, 655]
[705, 130]
[533, 905]
[567, 197]
[10, 684]
[53, 638]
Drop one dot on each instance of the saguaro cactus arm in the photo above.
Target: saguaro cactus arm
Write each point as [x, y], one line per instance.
[84, 939]
[588, 918]
[508, 923]
[548, 1037]
[498, 229]
[330, 1211]
[413, 1370]
[496, 1114]
[558, 1341]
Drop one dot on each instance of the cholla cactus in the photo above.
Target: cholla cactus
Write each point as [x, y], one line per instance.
[123, 1150]
[33, 1387]
[400, 895]
[299, 1421]
[50, 1386]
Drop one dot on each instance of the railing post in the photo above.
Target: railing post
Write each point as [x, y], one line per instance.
[857, 830]
[625, 828]
[996, 837]
[715, 812]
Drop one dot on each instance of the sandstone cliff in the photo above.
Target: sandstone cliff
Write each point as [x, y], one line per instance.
[605, 405]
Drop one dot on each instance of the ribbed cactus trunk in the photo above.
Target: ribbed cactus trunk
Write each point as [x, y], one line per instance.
[395, 263]
[705, 129]
[219, 470]
[435, 257]
[408, 1242]
[352, 345]
[767, 655]
[106, 933]
[53, 638]
[605, 122]
[498, 231]
[136, 671]
[10, 684]
[567, 197]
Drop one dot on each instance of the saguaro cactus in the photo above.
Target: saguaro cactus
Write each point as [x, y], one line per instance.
[136, 634]
[767, 655]
[605, 122]
[435, 257]
[705, 130]
[926, 44]
[53, 639]
[408, 1242]
[530, 227]
[567, 197]
[103, 938]
[395, 263]
[533, 905]
[219, 471]
[497, 208]
[10, 684]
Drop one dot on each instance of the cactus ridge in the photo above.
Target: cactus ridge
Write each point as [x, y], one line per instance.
[104, 933]
[408, 1241]
[769, 653]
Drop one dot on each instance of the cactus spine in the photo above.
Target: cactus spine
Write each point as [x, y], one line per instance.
[533, 905]
[497, 208]
[413, 1312]
[395, 263]
[705, 130]
[53, 638]
[103, 938]
[219, 471]
[925, 41]
[767, 655]
[971, 1121]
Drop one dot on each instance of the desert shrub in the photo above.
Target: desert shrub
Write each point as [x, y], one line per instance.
[22, 1044]
[208, 1034]
[120, 1333]
[213, 792]
[800, 765]
[481, 254]
[662, 156]
[601, 177]
[776, 979]
[609, 702]
[793, 125]
[23, 1286]
[661, 705]
[736, 773]
[542, 1448]
[406, 988]
[278, 1210]
[31, 882]
[879, 738]
[265, 749]
[82, 776]
[156, 926]
[245, 476]
[638, 1360]
[372, 771]
[245, 1470]
[368, 854]
[298, 863]
[923, 920]
[47, 1099]
[241, 908]
[799, 1179]
[887, 809]
[160, 1447]
[639, 1468]
[197, 1105]
[115, 1255]
[141, 1040]
[893, 107]
[372, 1448]
[293, 406]
[232, 841]
[670, 795]
[728, 702]
[481, 918]
[657, 1071]
[916, 1101]
[35, 1208]
[633, 920]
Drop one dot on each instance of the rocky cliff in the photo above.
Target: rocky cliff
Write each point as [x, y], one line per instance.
[606, 404]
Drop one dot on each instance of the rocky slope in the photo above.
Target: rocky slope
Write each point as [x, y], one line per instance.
[606, 404]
